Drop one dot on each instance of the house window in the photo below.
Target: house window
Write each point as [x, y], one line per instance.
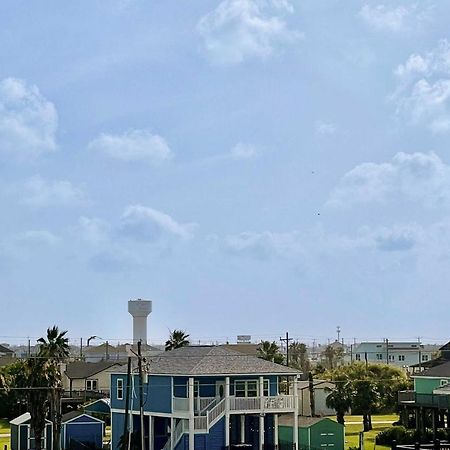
[379, 356]
[391, 357]
[401, 357]
[444, 382]
[119, 391]
[358, 357]
[424, 357]
[91, 385]
[249, 388]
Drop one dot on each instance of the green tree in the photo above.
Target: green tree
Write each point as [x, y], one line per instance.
[340, 396]
[270, 352]
[55, 348]
[177, 339]
[298, 357]
[35, 376]
[369, 388]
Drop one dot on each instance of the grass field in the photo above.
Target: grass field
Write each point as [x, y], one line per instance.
[352, 431]
[4, 429]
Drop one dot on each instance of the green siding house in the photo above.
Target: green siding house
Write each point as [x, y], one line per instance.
[429, 402]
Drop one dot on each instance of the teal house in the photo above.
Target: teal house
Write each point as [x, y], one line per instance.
[206, 398]
[429, 403]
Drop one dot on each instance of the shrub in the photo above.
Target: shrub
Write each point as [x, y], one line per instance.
[397, 433]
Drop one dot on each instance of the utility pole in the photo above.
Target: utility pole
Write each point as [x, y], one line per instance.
[126, 432]
[287, 339]
[81, 348]
[387, 351]
[141, 394]
[338, 329]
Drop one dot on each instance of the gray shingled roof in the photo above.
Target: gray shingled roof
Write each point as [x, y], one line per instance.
[81, 369]
[210, 360]
[4, 349]
[442, 370]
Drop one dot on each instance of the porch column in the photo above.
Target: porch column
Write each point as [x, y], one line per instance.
[242, 417]
[295, 441]
[151, 433]
[275, 431]
[191, 414]
[172, 424]
[227, 412]
[261, 414]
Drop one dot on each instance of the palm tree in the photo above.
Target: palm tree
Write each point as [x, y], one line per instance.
[177, 339]
[36, 376]
[339, 398]
[270, 352]
[298, 357]
[55, 348]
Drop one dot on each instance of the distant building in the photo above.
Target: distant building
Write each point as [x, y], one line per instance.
[400, 354]
[5, 351]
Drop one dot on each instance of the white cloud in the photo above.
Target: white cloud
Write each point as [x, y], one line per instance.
[263, 245]
[28, 121]
[381, 17]
[39, 192]
[134, 145]
[148, 224]
[420, 177]
[92, 230]
[325, 128]
[243, 151]
[423, 90]
[241, 29]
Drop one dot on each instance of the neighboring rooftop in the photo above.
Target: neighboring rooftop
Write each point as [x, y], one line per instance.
[212, 360]
[441, 370]
[81, 369]
[5, 350]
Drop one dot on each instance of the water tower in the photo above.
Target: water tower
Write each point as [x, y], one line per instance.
[140, 310]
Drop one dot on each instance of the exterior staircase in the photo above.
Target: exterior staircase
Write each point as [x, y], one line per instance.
[210, 415]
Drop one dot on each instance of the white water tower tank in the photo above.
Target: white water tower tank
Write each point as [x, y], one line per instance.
[140, 310]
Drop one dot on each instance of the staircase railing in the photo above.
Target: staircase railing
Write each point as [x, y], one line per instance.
[216, 413]
[179, 430]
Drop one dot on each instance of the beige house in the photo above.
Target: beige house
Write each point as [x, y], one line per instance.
[89, 379]
[320, 394]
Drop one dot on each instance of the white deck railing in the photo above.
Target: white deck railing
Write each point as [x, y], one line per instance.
[274, 403]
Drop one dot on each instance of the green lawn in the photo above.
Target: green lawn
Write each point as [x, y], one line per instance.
[352, 431]
[4, 429]
[4, 426]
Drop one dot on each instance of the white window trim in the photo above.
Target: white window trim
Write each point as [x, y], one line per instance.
[119, 389]
[92, 381]
[266, 384]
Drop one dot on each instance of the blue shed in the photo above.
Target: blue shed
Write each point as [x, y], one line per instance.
[80, 430]
[22, 436]
[100, 406]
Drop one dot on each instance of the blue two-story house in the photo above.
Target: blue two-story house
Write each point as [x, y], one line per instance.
[206, 398]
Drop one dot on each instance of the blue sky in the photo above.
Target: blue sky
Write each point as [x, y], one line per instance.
[252, 166]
